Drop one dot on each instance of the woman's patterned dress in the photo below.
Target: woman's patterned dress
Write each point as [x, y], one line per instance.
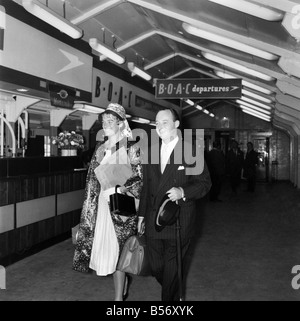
[123, 229]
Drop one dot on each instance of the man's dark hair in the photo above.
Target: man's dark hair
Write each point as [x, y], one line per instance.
[174, 113]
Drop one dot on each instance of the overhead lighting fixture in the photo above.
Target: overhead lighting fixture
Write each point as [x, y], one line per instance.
[245, 83]
[106, 51]
[237, 67]
[253, 9]
[199, 107]
[190, 102]
[256, 96]
[228, 42]
[242, 102]
[253, 108]
[140, 120]
[212, 115]
[152, 123]
[265, 118]
[52, 18]
[206, 111]
[85, 107]
[139, 72]
[22, 90]
[252, 101]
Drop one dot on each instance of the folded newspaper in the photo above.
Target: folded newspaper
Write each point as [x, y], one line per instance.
[114, 169]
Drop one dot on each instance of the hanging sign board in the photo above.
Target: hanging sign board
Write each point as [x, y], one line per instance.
[198, 88]
[61, 96]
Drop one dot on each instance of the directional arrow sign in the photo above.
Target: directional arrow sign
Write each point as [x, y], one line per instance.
[198, 88]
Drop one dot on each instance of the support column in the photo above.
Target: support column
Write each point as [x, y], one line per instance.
[87, 122]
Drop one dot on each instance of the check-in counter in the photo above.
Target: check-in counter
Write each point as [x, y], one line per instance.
[40, 201]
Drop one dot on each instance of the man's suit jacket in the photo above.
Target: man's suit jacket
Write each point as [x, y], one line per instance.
[155, 186]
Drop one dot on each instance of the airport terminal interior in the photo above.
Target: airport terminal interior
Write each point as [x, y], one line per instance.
[229, 69]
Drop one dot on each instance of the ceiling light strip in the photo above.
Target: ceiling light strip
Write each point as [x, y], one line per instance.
[252, 101]
[106, 51]
[245, 83]
[253, 9]
[256, 96]
[52, 18]
[228, 42]
[236, 66]
[257, 116]
[139, 72]
[240, 101]
[266, 112]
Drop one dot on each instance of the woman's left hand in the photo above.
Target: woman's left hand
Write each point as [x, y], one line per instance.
[123, 189]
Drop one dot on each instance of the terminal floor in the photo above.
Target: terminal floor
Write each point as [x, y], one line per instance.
[244, 250]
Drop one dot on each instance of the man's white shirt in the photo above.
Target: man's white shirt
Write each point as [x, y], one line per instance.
[166, 151]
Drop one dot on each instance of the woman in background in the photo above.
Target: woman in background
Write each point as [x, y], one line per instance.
[102, 234]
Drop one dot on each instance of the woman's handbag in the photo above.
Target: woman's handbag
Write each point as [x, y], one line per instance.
[134, 257]
[122, 204]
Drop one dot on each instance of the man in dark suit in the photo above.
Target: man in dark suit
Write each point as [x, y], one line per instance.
[171, 177]
[216, 166]
[251, 161]
[234, 164]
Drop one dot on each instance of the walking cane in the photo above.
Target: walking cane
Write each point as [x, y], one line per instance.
[179, 258]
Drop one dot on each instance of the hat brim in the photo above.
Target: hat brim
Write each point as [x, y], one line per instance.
[166, 214]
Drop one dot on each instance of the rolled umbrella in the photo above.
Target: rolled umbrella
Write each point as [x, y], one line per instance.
[179, 259]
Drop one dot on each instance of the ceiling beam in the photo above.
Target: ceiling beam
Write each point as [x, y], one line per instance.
[181, 16]
[94, 11]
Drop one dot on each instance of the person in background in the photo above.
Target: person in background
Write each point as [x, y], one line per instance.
[102, 234]
[216, 166]
[170, 177]
[234, 164]
[251, 161]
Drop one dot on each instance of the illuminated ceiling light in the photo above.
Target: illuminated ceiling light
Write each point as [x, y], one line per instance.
[128, 116]
[253, 9]
[211, 115]
[239, 101]
[190, 102]
[253, 108]
[245, 83]
[106, 51]
[52, 18]
[199, 107]
[140, 120]
[228, 42]
[152, 123]
[236, 66]
[81, 106]
[256, 96]
[251, 101]
[257, 88]
[22, 90]
[139, 72]
[206, 111]
[258, 116]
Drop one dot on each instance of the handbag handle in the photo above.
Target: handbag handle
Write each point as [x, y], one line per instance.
[116, 190]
